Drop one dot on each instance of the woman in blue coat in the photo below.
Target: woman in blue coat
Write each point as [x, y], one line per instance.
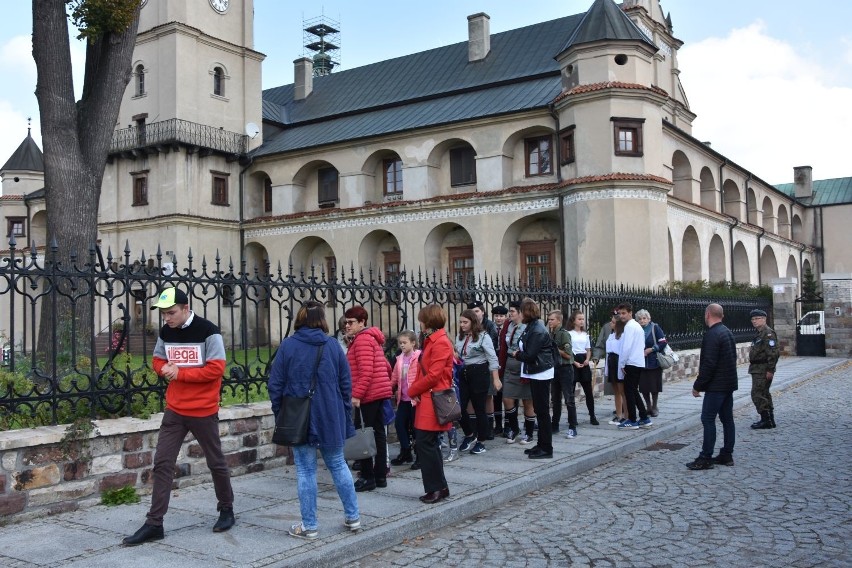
[331, 413]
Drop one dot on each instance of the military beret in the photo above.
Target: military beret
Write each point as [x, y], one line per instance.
[476, 304]
[499, 310]
[758, 314]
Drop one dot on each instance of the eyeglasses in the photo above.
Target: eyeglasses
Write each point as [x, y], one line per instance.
[350, 322]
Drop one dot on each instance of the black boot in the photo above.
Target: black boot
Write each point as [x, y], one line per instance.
[403, 457]
[765, 422]
[416, 464]
[772, 418]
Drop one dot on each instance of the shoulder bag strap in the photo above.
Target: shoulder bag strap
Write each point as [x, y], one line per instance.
[654, 335]
[316, 368]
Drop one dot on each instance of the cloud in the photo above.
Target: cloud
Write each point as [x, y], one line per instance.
[765, 106]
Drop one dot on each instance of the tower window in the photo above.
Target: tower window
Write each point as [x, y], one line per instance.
[140, 188]
[566, 148]
[15, 226]
[140, 80]
[627, 136]
[220, 188]
[219, 82]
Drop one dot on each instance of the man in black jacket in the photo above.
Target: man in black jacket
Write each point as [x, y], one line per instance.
[717, 379]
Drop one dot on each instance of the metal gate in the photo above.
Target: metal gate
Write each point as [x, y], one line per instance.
[810, 329]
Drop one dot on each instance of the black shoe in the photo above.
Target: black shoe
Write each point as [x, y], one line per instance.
[415, 466]
[381, 481]
[723, 459]
[365, 485]
[226, 520]
[594, 421]
[765, 422]
[146, 534]
[700, 463]
[528, 451]
[540, 454]
[554, 427]
[403, 457]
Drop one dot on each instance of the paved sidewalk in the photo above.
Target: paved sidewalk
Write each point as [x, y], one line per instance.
[266, 503]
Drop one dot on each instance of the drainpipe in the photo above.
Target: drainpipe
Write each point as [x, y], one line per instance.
[552, 108]
[821, 241]
[731, 241]
[247, 160]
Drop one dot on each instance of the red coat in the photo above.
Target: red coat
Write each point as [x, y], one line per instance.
[435, 372]
[370, 369]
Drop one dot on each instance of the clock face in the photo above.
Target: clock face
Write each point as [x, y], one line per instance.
[220, 6]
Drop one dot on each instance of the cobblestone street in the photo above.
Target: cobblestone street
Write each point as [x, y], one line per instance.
[786, 502]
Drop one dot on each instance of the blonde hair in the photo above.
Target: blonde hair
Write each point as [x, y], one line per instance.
[409, 335]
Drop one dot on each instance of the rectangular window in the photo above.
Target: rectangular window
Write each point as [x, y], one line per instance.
[566, 148]
[15, 226]
[327, 191]
[537, 262]
[140, 188]
[627, 135]
[393, 177]
[392, 275]
[538, 157]
[220, 188]
[267, 196]
[462, 166]
[461, 266]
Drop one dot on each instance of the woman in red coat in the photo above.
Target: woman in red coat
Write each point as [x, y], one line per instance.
[371, 387]
[435, 373]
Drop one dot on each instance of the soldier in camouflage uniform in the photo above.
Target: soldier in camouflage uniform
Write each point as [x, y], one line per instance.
[762, 359]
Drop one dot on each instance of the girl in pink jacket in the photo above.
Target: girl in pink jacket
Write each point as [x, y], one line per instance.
[404, 373]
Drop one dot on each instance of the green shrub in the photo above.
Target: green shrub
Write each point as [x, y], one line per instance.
[121, 496]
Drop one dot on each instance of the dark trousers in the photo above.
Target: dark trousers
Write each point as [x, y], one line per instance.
[473, 388]
[563, 385]
[583, 377]
[721, 404]
[172, 432]
[372, 468]
[541, 404]
[404, 423]
[631, 393]
[760, 392]
[431, 460]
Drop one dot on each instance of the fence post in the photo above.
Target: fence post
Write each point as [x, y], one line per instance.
[784, 313]
[837, 293]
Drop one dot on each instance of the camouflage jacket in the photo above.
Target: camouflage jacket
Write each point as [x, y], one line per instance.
[764, 351]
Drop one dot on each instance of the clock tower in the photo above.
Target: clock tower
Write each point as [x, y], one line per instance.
[195, 91]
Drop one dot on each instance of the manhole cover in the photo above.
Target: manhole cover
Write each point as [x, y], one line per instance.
[659, 446]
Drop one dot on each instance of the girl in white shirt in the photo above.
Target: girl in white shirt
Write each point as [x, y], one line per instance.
[581, 345]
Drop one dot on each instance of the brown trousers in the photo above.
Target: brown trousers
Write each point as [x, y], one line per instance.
[172, 432]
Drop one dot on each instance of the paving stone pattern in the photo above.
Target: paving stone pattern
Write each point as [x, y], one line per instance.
[786, 502]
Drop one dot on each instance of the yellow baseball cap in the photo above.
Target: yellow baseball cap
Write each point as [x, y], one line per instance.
[169, 297]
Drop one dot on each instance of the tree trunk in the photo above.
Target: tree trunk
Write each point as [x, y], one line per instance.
[76, 138]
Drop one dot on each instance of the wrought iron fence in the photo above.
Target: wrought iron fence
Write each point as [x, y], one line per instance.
[254, 307]
[177, 131]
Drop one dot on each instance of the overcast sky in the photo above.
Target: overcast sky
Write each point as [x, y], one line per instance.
[770, 80]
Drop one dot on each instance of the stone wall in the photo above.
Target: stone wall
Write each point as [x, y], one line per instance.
[837, 293]
[44, 471]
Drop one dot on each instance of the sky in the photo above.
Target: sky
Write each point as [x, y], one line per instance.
[770, 80]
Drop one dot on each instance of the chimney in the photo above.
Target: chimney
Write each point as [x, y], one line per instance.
[304, 78]
[803, 179]
[479, 36]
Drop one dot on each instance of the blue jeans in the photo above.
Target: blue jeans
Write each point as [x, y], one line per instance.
[306, 481]
[721, 404]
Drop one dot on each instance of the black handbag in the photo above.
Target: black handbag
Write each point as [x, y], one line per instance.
[291, 424]
[362, 445]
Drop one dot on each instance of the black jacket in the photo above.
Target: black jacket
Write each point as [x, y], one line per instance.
[717, 369]
[536, 353]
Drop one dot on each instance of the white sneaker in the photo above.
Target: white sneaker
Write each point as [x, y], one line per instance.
[526, 439]
[615, 421]
[571, 433]
[452, 456]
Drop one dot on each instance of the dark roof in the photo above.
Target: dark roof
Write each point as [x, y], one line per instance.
[27, 157]
[434, 87]
[605, 21]
[835, 191]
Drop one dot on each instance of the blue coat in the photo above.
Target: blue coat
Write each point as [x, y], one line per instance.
[331, 406]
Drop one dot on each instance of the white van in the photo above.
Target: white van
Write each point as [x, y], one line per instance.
[812, 323]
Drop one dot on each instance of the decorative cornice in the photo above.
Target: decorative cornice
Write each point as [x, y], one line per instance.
[615, 193]
[408, 217]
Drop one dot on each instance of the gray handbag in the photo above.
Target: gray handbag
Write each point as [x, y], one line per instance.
[362, 445]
